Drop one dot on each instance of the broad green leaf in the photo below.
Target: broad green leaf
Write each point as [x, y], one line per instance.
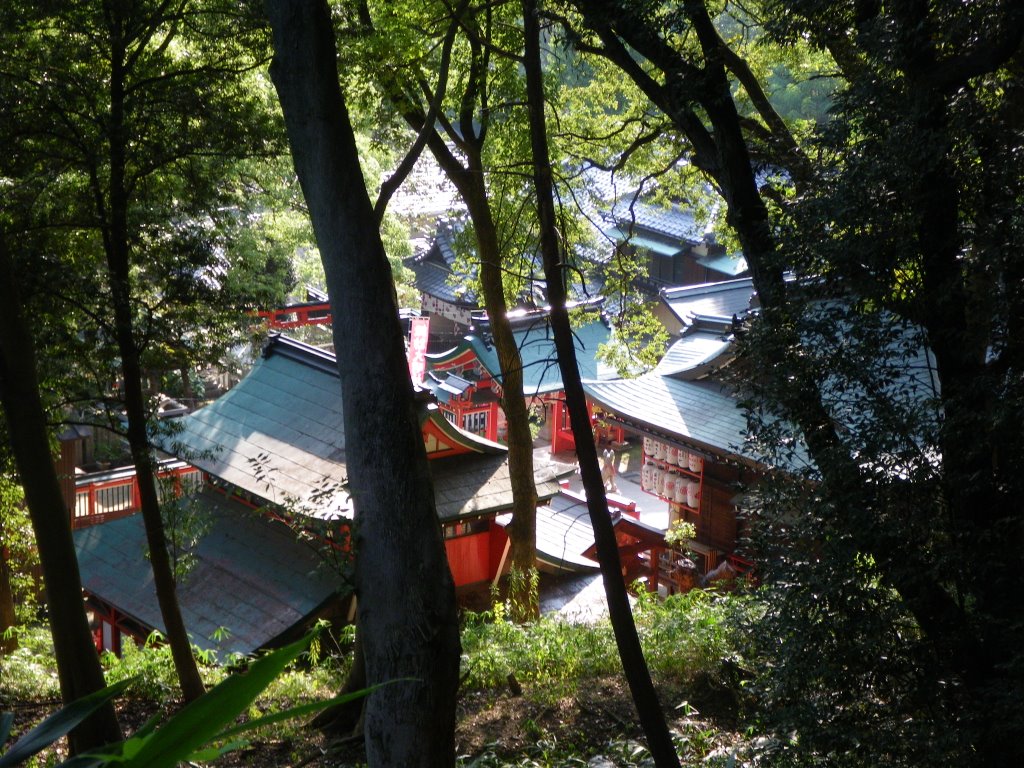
[6, 721]
[299, 711]
[201, 721]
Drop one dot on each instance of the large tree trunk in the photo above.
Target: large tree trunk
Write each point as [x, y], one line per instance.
[118, 268]
[78, 666]
[633, 663]
[406, 595]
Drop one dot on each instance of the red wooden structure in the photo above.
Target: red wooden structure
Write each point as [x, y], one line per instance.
[640, 552]
[103, 496]
[297, 315]
[467, 394]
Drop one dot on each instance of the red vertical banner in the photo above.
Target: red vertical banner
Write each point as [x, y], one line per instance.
[419, 330]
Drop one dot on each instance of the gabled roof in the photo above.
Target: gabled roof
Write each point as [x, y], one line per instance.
[252, 576]
[691, 356]
[537, 347]
[721, 299]
[698, 413]
[279, 434]
[672, 221]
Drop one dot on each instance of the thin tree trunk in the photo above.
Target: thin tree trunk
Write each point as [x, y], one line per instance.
[78, 666]
[652, 719]
[8, 617]
[469, 181]
[118, 267]
[523, 529]
[472, 188]
[406, 595]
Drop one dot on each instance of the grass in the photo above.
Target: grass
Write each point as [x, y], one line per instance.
[29, 673]
[685, 637]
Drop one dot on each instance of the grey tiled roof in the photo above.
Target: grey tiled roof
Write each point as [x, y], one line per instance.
[698, 413]
[252, 576]
[724, 299]
[433, 270]
[434, 279]
[668, 220]
[465, 486]
[280, 435]
[691, 351]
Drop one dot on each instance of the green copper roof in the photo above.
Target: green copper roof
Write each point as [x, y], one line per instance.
[252, 576]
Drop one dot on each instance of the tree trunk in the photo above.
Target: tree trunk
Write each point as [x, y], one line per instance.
[472, 188]
[406, 596]
[118, 268]
[470, 182]
[523, 529]
[652, 719]
[343, 720]
[8, 617]
[78, 666]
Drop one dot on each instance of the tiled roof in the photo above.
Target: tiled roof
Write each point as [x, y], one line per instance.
[723, 299]
[433, 270]
[465, 486]
[667, 220]
[279, 434]
[540, 362]
[252, 576]
[693, 351]
[698, 413]
[434, 279]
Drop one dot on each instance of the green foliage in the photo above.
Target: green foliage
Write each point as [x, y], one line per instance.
[680, 534]
[685, 637]
[202, 731]
[550, 655]
[139, 128]
[150, 668]
[691, 636]
[523, 601]
[19, 549]
[185, 525]
[29, 672]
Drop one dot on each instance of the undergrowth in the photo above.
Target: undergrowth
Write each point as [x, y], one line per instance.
[684, 638]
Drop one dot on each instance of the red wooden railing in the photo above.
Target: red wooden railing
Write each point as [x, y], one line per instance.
[102, 496]
[298, 315]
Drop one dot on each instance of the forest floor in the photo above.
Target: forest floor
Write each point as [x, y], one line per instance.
[595, 726]
[498, 728]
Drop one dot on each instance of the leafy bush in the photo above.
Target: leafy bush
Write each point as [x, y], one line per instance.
[203, 730]
[29, 673]
[549, 653]
[684, 637]
[151, 669]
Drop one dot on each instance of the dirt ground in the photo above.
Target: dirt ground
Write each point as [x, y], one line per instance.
[498, 722]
